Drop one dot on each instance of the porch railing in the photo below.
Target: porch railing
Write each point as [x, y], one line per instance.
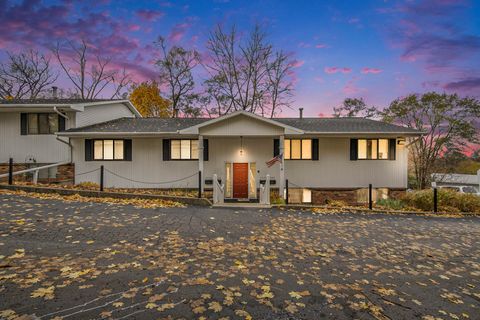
[265, 191]
[218, 191]
[35, 170]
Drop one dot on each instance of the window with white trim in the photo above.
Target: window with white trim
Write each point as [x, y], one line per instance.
[42, 123]
[298, 149]
[373, 149]
[184, 149]
[108, 149]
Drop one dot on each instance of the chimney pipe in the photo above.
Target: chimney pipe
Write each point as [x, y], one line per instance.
[301, 112]
[54, 92]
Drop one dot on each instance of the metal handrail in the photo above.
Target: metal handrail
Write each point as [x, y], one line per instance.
[35, 169]
[218, 191]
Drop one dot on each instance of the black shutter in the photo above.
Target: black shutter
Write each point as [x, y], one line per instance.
[392, 149]
[23, 124]
[88, 149]
[166, 149]
[127, 149]
[314, 149]
[61, 123]
[353, 149]
[205, 149]
[276, 147]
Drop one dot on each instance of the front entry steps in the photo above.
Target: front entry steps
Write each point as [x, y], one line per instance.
[241, 203]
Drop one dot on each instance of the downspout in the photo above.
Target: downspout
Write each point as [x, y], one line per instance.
[63, 141]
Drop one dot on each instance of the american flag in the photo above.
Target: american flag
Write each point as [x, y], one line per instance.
[272, 161]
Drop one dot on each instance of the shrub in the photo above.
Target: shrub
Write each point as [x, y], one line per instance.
[395, 204]
[448, 200]
[88, 186]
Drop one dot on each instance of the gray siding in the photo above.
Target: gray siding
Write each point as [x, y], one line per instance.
[333, 169]
[42, 148]
[102, 113]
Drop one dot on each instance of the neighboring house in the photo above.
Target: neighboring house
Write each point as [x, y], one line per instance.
[331, 157]
[457, 180]
[28, 127]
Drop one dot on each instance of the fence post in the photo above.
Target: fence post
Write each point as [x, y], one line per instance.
[10, 171]
[370, 200]
[199, 184]
[286, 191]
[101, 177]
[435, 200]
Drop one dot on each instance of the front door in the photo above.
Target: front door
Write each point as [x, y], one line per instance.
[240, 180]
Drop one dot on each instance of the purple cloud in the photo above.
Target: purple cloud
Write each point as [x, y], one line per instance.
[178, 31]
[371, 70]
[332, 70]
[149, 15]
[466, 85]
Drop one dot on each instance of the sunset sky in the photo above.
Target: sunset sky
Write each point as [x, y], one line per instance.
[378, 50]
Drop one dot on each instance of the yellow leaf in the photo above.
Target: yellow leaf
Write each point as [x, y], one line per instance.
[118, 304]
[151, 305]
[199, 309]
[243, 313]
[215, 306]
[166, 306]
[46, 293]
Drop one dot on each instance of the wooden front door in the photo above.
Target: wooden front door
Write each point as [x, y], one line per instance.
[240, 180]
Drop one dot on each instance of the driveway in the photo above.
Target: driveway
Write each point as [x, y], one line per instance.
[72, 260]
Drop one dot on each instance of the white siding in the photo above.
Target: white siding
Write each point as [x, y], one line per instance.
[102, 113]
[42, 148]
[241, 126]
[333, 169]
[146, 165]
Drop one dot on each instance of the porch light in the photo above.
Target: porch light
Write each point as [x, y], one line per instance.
[401, 142]
[241, 145]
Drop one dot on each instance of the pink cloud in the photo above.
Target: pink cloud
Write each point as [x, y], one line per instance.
[149, 15]
[321, 46]
[350, 88]
[371, 70]
[319, 79]
[297, 63]
[178, 31]
[134, 27]
[331, 70]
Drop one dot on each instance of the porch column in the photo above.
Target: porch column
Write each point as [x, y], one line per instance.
[200, 162]
[281, 183]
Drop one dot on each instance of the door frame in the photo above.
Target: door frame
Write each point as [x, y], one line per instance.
[231, 180]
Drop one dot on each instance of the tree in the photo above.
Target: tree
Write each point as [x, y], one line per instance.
[90, 73]
[148, 101]
[353, 107]
[246, 75]
[26, 75]
[446, 121]
[175, 72]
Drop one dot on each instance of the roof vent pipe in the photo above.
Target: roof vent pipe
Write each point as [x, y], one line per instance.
[54, 92]
[301, 112]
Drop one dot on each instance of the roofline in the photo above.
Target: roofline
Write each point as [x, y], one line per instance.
[239, 112]
[76, 106]
[179, 132]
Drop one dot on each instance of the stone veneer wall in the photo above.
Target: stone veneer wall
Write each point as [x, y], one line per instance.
[65, 172]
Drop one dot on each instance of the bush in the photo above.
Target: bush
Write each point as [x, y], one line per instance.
[88, 186]
[448, 200]
[395, 204]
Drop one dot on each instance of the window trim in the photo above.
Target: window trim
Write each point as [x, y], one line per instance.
[103, 150]
[180, 159]
[301, 149]
[378, 149]
[38, 123]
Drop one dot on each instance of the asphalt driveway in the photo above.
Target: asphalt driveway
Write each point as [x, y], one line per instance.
[72, 260]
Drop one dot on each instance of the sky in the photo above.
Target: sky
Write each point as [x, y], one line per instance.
[375, 50]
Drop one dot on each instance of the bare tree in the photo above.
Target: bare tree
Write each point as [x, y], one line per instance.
[25, 75]
[246, 75]
[353, 107]
[175, 72]
[90, 73]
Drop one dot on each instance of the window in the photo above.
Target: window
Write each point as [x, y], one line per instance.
[108, 150]
[184, 149]
[42, 123]
[372, 149]
[298, 149]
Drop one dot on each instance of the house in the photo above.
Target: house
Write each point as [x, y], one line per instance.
[332, 158]
[458, 180]
[28, 127]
